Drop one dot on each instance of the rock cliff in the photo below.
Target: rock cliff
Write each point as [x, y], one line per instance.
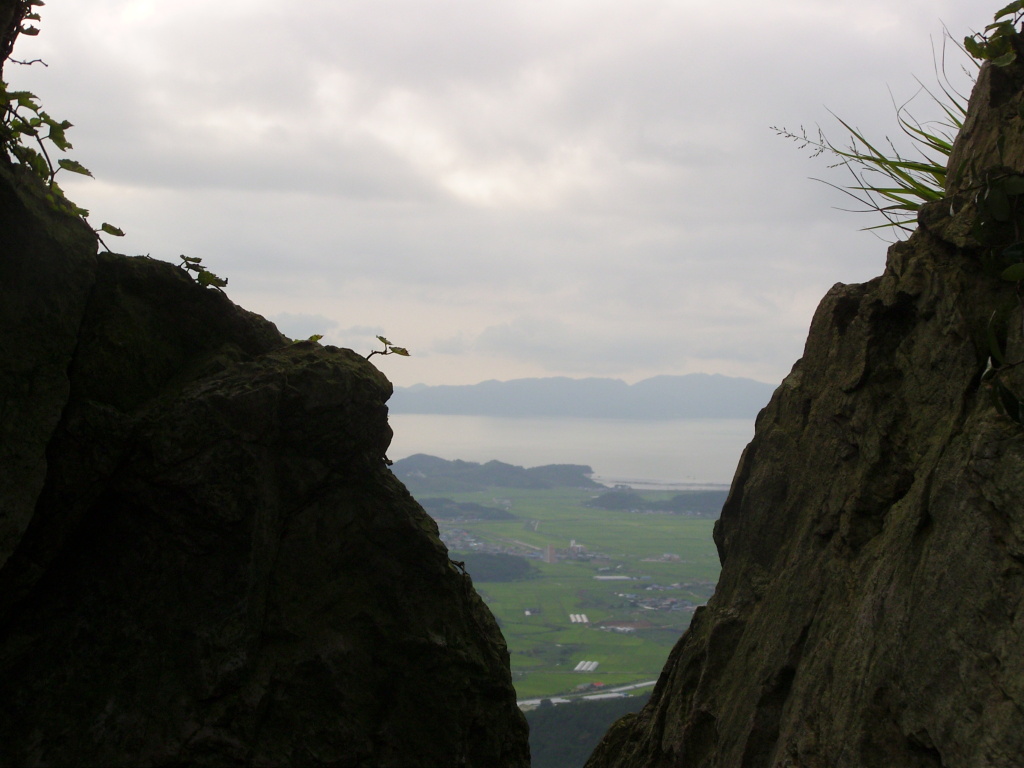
[870, 610]
[204, 559]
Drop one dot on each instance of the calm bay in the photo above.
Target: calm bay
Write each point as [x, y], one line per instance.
[641, 452]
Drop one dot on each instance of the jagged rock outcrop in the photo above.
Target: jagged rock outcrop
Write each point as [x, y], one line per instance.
[204, 559]
[870, 611]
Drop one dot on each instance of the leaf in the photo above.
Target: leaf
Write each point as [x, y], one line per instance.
[38, 165]
[400, 351]
[974, 48]
[74, 166]
[25, 99]
[57, 134]
[383, 341]
[1013, 273]
[208, 279]
[1013, 7]
[110, 229]
[315, 337]
[1006, 59]
[30, 31]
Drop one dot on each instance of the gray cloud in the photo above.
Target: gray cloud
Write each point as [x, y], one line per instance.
[300, 326]
[507, 188]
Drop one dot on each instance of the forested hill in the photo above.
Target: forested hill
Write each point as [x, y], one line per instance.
[697, 395]
[421, 472]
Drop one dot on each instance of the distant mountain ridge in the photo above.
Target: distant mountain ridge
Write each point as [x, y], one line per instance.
[696, 395]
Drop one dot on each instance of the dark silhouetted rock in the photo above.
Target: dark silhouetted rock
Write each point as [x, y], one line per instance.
[869, 612]
[205, 559]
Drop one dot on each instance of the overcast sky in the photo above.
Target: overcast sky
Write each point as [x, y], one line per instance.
[508, 189]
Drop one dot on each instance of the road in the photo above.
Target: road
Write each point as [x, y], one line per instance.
[605, 693]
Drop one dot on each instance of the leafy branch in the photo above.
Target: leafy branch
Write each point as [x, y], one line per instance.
[204, 277]
[999, 42]
[28, 134]
[389, 349]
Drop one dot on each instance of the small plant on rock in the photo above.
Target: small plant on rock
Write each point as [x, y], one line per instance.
[999, 42]
[29, 136]
[885, 181]
[204, 277]
[895, 186]
[389, 349]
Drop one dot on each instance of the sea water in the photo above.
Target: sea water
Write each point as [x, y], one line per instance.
[642, 453]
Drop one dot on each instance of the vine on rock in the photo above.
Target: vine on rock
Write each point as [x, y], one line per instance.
[30, 137]
[999, 42]
[389, 349]
[204, 277]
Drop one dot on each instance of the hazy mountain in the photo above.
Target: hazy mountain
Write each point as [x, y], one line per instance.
[696, 395]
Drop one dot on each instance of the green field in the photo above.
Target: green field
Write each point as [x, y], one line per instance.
[657, 598]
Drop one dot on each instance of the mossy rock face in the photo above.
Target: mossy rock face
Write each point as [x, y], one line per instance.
[206, 559]
[47, 267]
[868, 610]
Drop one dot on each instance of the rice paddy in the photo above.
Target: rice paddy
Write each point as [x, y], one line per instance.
[636, 577]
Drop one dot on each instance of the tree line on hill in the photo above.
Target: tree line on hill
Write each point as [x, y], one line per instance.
[497, 566]
[423, 473]
[455, 511]
[563, 736]
[696, 503]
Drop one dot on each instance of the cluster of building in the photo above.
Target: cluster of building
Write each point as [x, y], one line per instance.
[461, 540]
[623, 626]
[575, 551]
[658, 603]
[664, 587]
